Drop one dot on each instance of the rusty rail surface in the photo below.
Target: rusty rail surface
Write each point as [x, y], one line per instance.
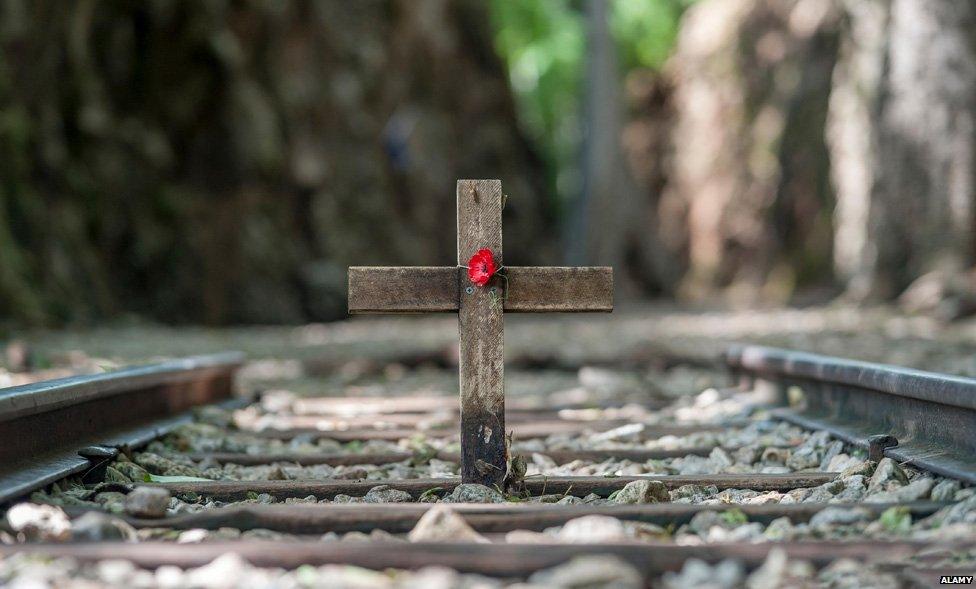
[56, 428]
[921, 418]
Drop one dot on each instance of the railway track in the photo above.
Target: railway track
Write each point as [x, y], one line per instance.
[818, 463]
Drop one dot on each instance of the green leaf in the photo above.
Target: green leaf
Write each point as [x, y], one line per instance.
[158, 478]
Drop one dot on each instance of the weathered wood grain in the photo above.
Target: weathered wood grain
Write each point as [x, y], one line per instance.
[407, 289]
[399, 518]
[495, 560]
[539, 429]
[480, 315]
[541, 289]
[481, 358]
[579, 486]
[434, 289]
[560, 456]
[418, 404]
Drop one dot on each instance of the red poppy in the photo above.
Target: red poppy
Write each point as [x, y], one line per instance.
[481, 267]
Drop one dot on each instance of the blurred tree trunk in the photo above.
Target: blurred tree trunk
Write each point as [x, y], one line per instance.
[613, 226]
[752, 81]
[902, 133]
[225, 161]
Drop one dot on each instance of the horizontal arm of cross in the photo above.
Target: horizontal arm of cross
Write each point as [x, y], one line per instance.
[432, 289]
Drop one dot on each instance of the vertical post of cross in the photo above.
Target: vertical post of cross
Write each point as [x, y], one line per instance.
[481, 327]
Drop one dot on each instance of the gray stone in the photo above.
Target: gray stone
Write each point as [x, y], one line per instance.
[915, 491]
[775, 456]
[804, 457]
[341, 498]
[131, 471]
[772, 573]
[647, 531]
[842, 462]
[147, 502]
[720, 458]
[963, 494]
[779, 529]
[693, 493]
[631, 432]
[385, 494]
[570, 500]
[592, 571]
[864, 468]
[960, 513]
[736, 495]
[854, 489]
[846, 573]
[825, 492]
[39, 523]
[95, 526]
[945, 490]
[696, 573]
[442, 524]
[616, 383]
[692, 465]
[527, 537]
[351, 473]
[832, 450]
[840, 516]
[795, 496]
[114, 476]
[593, 528]
[747, 454]
[227, 570]
[704, 521]
[886, 476]
[112, 501]
[642, 492]
[474, 493]
[550, 498]
[165, 466]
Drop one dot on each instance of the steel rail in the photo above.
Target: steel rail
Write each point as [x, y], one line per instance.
[52, 429]
[912, 416]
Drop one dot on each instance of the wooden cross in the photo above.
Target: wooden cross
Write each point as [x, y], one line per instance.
[526, 289]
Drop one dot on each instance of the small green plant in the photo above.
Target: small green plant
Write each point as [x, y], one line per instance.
[897, 520]
[430, 494]
[734, 517]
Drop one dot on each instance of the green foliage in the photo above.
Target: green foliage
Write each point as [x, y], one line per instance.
[645, 30]
[543, 43]
[897, 520]
[734, 517]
